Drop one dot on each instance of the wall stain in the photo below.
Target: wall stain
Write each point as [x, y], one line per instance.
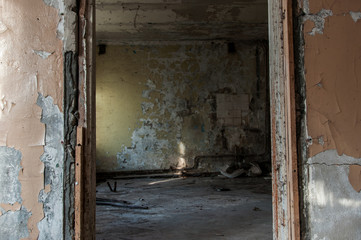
[167, 97]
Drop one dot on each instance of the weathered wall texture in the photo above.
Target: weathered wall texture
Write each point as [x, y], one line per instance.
[139, 20]
[31, 118]
[332, 71]
[160, 106]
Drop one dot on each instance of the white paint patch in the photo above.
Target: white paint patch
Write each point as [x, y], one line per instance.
[3, 27]
[42, 54]
[355, 16]
[182, 148]
[3, 103]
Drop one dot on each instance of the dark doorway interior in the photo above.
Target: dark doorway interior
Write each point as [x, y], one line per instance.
[183, 120]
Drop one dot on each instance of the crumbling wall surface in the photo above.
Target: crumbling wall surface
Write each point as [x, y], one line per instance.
[161, 105]
[331, 31]
[52, 194]
[159, 20]
[31, 118]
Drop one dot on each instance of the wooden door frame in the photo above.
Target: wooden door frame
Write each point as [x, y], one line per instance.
[85, 166]
[285, 189]
[286, 213]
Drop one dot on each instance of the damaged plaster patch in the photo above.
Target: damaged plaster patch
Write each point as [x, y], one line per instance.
[306, 6]
[319, 20]
[146, 106]
[43, 54]
[58, 4]
[329, 195]
[10, 188]
[151, 88]
[13, 225]
[67, 22]
[147, 150]
[331, 157]
[355, 16]
[50, 226]
[52, 3]
[321, 141]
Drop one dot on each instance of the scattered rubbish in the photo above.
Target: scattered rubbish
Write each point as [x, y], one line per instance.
[199, 206]
[251, 169]
[196, 173]
[112, 189]
[118, 203]
[255, 170]
[234, 174]
[222, 189]
[192, 182]
[140, 202]
[112, 200]
[159, 175]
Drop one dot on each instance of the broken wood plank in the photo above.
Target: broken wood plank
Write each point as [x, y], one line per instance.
[115, 203]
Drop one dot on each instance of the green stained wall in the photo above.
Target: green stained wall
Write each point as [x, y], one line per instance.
[159, 106]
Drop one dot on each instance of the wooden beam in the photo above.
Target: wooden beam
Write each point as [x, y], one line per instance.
[78, 189]
[286, 216]
[292, 164]
[86, 41]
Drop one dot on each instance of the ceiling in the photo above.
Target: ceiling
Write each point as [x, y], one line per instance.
[168, 20]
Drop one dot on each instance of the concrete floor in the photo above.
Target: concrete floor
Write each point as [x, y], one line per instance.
[187, 209]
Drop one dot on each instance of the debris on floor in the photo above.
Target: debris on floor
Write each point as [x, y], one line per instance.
[117, 203]
[250, 169]
[186, 208]
[110, 187]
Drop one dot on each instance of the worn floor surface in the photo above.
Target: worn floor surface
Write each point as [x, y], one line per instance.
[187, 209]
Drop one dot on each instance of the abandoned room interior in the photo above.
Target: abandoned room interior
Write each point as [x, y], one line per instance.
[182, 109]
[179, 119]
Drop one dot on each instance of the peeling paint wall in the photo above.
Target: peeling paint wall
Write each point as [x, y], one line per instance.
[161, 105]
[331, 35]
[33, 36]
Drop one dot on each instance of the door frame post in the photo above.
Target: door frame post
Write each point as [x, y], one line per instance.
[285, 200]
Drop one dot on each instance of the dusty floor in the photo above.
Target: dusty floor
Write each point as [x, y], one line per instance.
[187, 209]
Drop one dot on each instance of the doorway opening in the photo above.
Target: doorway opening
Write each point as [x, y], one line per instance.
[183, 120]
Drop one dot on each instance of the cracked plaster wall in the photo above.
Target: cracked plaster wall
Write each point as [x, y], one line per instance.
[331, 31]
[33, 36]
[157, 104]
